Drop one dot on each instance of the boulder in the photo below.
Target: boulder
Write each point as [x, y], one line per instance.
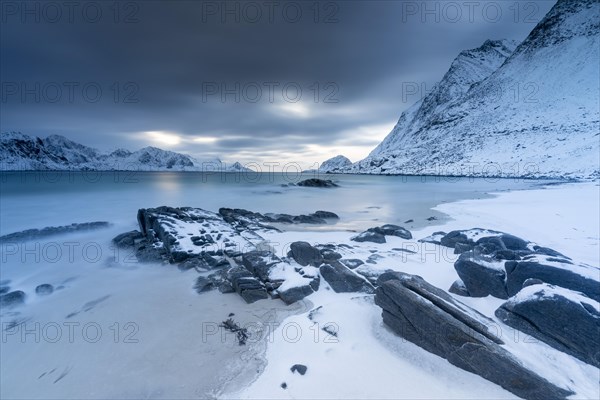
[564, 319]
[325, 215]
[128, 239]
[295, 293]
[260, 263]
[342, 279]
[203, 284]
[392, 230]
[246, 285]
[319, 183]
[555, 271]
[300, 368]
[458, 287]
[433, 320]
[12, 299]
[369, 236]
[44, 289]
[482, 276]
[434, 238]
[305, 254]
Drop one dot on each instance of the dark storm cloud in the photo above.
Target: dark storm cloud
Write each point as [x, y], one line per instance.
[185, 67]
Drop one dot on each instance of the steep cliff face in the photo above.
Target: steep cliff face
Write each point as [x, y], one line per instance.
[529, 112]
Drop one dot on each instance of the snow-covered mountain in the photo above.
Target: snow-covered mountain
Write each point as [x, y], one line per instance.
[335, 163]
[531, 112]
[21, 152]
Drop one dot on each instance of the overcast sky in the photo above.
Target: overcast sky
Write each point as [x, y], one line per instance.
[257, 81]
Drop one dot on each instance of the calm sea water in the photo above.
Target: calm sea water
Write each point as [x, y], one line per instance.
[39, 199]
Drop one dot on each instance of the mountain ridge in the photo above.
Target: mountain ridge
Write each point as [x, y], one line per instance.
[20, 152]
[536, 113]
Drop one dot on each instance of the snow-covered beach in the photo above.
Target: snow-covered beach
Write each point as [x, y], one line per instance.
[366, 360]
[160, 339]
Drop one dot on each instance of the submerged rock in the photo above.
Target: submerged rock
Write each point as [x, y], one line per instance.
[12, 299]
[433, 320]
[315, 182]
[31, 234]
[44, 289]
[128, 239]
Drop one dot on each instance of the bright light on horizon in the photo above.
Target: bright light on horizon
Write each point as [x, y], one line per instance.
[165, 138]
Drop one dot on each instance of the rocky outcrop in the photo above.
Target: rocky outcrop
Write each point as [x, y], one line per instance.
[378, 234]
[433, 320]
[34, 234]
[12, 299]
[317, 183]
[564, 319]
[497, 264]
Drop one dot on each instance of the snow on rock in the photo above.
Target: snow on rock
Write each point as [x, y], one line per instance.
[533, 112]
[432, 319]
[335, 163]
[564, 319]
[19, 152]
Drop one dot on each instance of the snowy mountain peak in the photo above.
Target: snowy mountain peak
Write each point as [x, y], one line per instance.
[468, 68]
[532, 113]
[21, 152]
[335, 163]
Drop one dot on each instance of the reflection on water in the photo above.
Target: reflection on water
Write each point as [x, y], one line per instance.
[38, 199]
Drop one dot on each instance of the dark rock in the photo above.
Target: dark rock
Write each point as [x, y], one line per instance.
[295, 293]
[408, 221]
[433, 320]
[330, 255]
[554, 272]
[352, 262]
[459, 288]
[44, 289]
[308, 219]
[32, 234]
[260, 263]
[128, 239]
[4, 289]
[342, 279]
[369, 236]
[531, 282]
[561, 318]
[12, 299]
[300, 368]
[481, 276]
[434, 238]
[392, 230]
[325, 215]
[460, 248]
[203, 284]
[284, 385]
[315, 182]
[246, 285]
[304, 254]
[148, 253]
[432, 219]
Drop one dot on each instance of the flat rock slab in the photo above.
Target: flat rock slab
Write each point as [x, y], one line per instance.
[432, 319]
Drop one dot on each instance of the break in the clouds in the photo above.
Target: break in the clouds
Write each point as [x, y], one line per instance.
[250, 81]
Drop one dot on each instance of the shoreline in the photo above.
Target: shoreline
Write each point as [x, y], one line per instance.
[350, 355]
